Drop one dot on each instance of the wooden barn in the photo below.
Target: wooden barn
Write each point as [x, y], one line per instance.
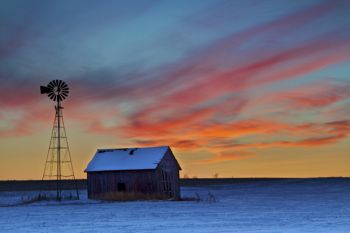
[133, 173]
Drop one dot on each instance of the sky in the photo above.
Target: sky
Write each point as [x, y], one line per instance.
[238, 88]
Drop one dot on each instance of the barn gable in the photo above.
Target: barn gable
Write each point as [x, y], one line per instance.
[169, 159]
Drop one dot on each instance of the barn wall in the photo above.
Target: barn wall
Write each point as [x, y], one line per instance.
[100, 183]
[168, 174]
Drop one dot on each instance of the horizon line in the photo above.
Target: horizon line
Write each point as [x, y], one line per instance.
[213, 178]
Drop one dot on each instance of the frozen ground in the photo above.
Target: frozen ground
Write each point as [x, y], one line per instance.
[278, 206]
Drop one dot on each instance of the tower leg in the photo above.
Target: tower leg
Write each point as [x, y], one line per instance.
[58, 113]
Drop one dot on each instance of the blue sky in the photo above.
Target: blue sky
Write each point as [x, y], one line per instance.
[225, 83]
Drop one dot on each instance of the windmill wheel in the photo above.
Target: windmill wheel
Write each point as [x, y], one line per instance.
[57, 90]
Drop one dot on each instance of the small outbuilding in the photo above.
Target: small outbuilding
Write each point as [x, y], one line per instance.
[133, 174]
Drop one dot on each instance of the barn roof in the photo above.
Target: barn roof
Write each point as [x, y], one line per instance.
[127, 159]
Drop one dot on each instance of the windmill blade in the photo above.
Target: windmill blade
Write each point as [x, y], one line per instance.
[60, 83]
[51, 84]
[51, 95]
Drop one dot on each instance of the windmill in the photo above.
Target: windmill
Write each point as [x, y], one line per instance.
[58, 163]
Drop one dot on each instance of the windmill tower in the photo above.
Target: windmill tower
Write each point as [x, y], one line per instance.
[58, 165]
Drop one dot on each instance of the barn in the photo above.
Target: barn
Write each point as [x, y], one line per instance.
[133, 174]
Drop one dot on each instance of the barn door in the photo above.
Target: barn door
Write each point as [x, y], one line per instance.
[166, 182]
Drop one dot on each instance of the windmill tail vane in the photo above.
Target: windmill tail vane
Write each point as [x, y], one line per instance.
[58, 163]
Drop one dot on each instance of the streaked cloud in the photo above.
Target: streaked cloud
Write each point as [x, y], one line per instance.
[193, 76]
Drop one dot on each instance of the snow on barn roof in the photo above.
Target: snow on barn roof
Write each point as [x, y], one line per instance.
[126, 159]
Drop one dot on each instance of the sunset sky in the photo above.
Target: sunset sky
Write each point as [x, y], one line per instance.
[238, 88]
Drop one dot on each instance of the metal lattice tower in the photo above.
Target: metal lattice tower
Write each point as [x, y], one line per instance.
[58, 165]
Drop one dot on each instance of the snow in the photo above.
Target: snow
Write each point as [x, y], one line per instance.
[253, 207]
[126, 159]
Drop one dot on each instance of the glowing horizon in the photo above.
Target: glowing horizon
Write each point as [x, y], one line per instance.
[238, 88]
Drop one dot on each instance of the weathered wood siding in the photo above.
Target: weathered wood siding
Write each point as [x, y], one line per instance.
[141, 181]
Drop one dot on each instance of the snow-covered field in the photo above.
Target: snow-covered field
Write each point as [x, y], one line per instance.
[278, 206]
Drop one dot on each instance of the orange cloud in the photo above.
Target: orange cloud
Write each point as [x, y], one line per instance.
[227, 156]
